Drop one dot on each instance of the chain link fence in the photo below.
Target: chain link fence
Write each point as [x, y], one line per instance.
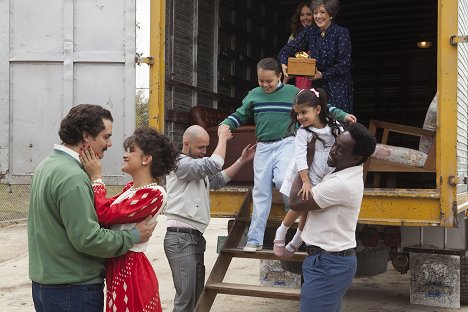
[14, 199]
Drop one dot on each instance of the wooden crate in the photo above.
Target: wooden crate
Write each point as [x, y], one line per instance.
[301, 66]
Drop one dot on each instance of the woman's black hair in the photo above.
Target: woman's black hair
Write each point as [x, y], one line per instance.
[164, 154]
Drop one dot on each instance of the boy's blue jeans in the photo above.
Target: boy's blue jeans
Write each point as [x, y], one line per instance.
[271, 162]
[70, 298]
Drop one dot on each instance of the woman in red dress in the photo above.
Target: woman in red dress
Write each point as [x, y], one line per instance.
[131, 282]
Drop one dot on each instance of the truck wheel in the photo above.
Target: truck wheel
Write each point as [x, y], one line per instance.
[463, 280]
[372, 261]
[400, 261]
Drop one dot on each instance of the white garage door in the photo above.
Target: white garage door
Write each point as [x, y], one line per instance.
[56, 54]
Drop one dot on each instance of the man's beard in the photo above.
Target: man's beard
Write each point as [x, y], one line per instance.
[190, 153]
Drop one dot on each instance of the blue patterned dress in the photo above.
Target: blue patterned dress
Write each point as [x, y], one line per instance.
[333, 54]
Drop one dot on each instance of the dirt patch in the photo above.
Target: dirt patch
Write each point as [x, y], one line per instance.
[385, 292]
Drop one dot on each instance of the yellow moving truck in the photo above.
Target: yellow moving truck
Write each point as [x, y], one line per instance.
[403, 53]
[57, 54]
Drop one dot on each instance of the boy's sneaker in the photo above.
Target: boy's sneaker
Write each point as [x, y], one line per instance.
[252, 248]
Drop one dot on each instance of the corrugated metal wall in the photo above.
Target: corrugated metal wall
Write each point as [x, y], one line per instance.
[212, 49]
[190, 57]
[183, 53]
[206, 58]
[462, 145]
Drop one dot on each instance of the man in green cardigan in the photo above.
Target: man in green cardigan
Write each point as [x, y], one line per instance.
[66, 244]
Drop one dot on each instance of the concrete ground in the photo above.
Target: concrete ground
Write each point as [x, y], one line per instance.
[385, 292]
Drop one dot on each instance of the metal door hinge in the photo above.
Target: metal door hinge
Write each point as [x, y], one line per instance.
[144, 60]
[453, 180]
[454, 40]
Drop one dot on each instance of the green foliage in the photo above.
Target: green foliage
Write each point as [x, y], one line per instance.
[141, 105]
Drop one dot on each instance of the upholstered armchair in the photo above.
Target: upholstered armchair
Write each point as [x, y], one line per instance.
[209, 118]
[389, 158]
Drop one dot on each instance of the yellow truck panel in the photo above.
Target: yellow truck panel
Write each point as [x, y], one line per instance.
[446, 137]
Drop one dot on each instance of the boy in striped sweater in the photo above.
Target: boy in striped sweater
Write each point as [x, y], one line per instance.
[269, 105]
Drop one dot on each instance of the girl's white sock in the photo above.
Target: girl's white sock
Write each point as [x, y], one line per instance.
[296, 241]
[281, 232]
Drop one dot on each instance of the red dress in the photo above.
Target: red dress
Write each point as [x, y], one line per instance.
[303, 82]
[130, 279]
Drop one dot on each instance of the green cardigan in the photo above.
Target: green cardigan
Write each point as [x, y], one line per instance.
[66, 243]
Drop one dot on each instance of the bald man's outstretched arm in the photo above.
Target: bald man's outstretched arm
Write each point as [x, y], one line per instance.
[224, 135]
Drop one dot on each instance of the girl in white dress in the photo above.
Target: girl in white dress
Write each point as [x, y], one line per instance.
[311, 112]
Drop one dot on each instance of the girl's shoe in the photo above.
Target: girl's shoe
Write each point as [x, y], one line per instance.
[288, 254]
[278, 248]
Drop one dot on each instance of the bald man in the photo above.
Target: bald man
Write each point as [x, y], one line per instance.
[188, 209]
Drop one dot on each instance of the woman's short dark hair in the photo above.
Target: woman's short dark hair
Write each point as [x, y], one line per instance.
[158, 146]
[270, 63]
[83, 118]
[331, 6]
[364, 141]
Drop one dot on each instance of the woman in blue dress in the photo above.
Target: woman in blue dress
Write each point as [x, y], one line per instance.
[330, 45]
